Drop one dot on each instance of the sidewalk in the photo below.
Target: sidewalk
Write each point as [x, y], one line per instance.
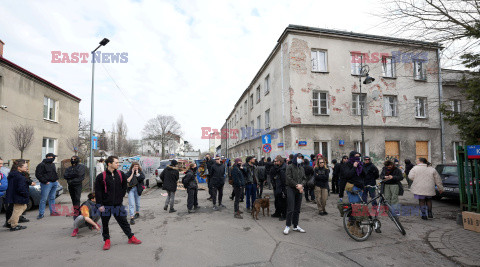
[459, 245]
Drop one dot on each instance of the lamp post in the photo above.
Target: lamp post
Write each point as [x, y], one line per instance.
[364, 69]
[92, 173]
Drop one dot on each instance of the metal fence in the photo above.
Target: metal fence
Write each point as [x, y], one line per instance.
[468, 180]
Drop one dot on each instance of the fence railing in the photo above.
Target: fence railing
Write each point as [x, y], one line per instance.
[468, 180]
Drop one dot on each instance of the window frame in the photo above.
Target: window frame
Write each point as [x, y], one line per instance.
[357, 64]
[49, 109]
[460, 143]
[456, 103]
[422, 76]
[418, 107]
[266, 86]
[267, 119]
[392, 66]
[45, 149]
[258, 90]
[319, 107]
[394, 112]
[251, 101]
[315, 58]
[357, 102]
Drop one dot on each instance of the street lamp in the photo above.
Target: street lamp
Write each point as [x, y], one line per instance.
[102, 43]
[364, 69]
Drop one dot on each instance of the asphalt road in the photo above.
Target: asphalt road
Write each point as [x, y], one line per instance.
[215, 238]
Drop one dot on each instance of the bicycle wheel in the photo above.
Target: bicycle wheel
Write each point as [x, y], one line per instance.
[357, 230]
[395, 220]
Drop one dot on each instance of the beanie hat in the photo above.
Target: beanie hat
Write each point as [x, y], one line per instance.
[174, 163]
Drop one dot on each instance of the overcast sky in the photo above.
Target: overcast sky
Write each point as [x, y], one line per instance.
[188, 59]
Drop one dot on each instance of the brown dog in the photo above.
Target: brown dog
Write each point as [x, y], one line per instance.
[261, 203]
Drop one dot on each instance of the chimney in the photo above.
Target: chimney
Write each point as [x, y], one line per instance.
[1, 48]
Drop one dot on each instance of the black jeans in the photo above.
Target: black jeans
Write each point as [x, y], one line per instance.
[294, 203]
[217, 190]
[75, 194]
[309, 192]
[210, 189]
[8, 212]
[120, 215]
[280, 205]
[192, 198]
[260, 188]
[237, 190]
[334, 185]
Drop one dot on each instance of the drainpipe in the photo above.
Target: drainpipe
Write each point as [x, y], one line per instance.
[283, 100]
[440, 100]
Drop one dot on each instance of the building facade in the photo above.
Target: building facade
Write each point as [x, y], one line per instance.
[307, 97]
[29, 100]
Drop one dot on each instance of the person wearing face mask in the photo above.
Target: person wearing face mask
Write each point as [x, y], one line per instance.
[295, 183]
[46, 173]
[191, 184]
[75, 175]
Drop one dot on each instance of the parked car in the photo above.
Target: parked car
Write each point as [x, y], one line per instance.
[159, 170]
[449, 175]
[35, 194]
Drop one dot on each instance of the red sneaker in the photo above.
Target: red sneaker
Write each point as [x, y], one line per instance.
[75, 232]
[134, 240]
[107, 245]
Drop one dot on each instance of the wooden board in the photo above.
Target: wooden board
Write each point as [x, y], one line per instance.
[392, 150]
[421, 148]
[471, 221]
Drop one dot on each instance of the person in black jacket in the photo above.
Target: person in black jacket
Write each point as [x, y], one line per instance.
[110, 188]
[191, 184]
[321, 174]
[238, 181]
[309, 191]
[75, 175]
[170, 177]
[335, 176]
[17, 193]
[371, 176]
[278, 174]
[209, 162]
[408, 168]
[268, 170]
[341, 178]
[261, 176]
[354, 173]
[135, 178]
[217, 182]
[46, 173]
[392, 187]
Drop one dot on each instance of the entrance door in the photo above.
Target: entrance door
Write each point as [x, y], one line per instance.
[421, 148]
[392, 150]
[321, 147]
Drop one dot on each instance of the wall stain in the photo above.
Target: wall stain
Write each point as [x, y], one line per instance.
[298, 56]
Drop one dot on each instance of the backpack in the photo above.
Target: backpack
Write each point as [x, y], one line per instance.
[105, 176]
[184, 182]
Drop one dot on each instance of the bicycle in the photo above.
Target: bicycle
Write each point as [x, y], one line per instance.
[365, 224]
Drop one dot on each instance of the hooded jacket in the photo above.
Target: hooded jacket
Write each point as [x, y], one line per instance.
[250, 174]
[350, 174]
[190, 180]
[280, 174]
[46, 171]
[140, 178]
[371, 174]
[217, 174]
[17, 191]
[3, 184]
[321, 177]
[116, 188]
[75, 174]
[396, 173]
[170, 177]
[238, 176]
[295, 174]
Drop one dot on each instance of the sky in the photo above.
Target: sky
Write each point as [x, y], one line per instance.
[188, 59]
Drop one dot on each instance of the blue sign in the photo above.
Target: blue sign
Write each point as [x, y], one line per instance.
[341, 142]
[267, 148]
[473, 152]
[302, 143]
[266, 139]
[94, 142]
[280, 144]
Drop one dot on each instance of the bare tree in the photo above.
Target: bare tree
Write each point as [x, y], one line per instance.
[22, 137]
[103, 141]
[130, 148]
[80, 143]
[121, 134]
[188, 146]
[162, 129]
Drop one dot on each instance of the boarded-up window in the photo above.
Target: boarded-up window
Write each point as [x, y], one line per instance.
[421, 148]
[392, 150]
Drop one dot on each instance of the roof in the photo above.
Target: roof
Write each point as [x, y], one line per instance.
[299, 28]
[38, 78]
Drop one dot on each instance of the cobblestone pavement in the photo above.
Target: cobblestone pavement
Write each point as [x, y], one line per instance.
[459, 245]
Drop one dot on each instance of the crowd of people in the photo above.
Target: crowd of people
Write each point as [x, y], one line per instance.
[290, 178]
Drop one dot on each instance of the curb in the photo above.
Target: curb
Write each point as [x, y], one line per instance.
[435, 240]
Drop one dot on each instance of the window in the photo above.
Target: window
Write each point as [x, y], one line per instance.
[252, 125]
[358, 101]
[259, 123]
[323, 148]
[251, 101]
[455, 145]
[456, 105]
[266, 87]
[241, 112]
[419, 70]
[49, 109]
[246, 107]
[388, 67]
[390, 106]
[319, 61]
[48, 146]
[392, 150]
[421, 149]
[320, 103]
[420, 107]
[358, 147]
[267, 119]
[356, 60]
[258, 94]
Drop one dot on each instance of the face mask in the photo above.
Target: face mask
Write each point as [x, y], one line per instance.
[73, 161]
[50, 160]
[299, 161]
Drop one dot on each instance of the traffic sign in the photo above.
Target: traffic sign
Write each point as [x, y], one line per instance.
[473, 152]
[266, 139]
[267, 148]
